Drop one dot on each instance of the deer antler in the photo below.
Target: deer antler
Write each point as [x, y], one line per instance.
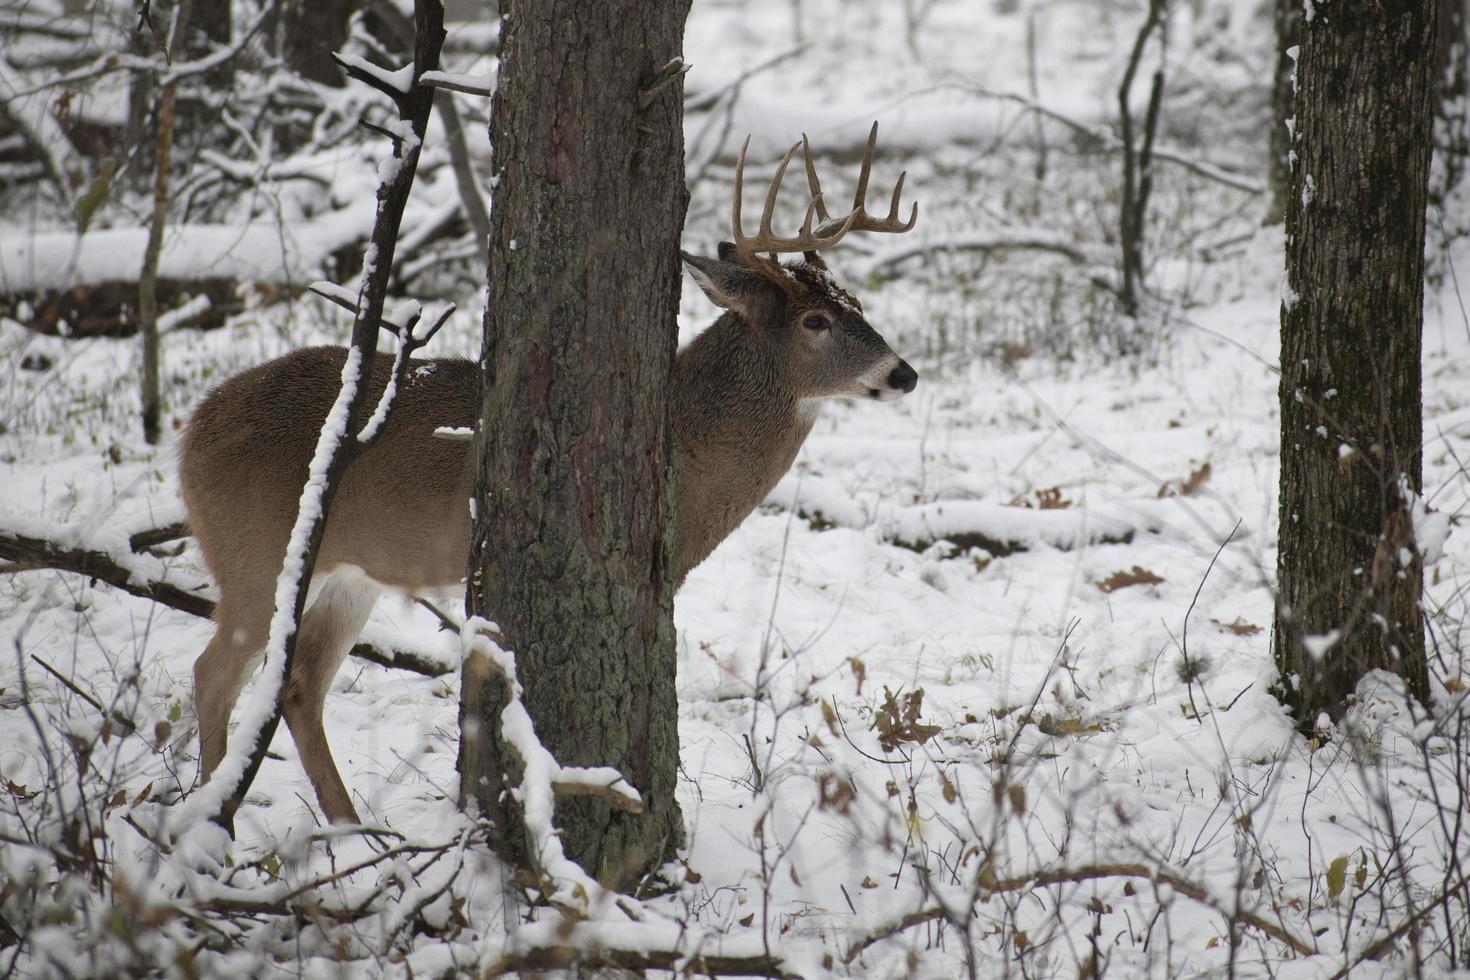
[859, 219]
[831, 231]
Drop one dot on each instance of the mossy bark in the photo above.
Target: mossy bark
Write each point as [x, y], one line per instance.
[572, 551]
[1349, 578]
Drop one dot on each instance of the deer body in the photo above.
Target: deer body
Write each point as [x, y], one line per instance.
[743, 399]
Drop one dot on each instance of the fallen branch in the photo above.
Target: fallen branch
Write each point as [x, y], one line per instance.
[1090, 872]
[638, 961]
[154, 536]
[29, 553]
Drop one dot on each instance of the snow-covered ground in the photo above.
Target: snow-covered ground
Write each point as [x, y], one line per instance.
[1098, 687]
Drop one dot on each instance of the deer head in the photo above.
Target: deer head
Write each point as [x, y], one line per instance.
[822, 339]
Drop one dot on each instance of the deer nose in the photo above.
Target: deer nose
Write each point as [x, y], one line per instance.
[903, 377]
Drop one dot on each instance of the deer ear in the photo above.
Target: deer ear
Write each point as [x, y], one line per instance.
[728, 284]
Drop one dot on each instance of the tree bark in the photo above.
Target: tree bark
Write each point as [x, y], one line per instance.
[1351, 324]
[311, 30]
[1288, 17]
[572, 552]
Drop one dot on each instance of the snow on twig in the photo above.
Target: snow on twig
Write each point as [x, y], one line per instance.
[467, 84]
[392, 82]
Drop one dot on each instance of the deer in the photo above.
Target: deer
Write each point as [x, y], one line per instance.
[745, 394]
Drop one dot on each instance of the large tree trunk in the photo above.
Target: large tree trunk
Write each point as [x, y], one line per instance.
[1351, 322]
[572, 550]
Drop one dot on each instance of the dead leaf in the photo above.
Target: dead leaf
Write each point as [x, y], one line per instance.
[1137, 575]
[897, 723]
[1050, 498]
[1047, 498]
[835, 792]
[829, 715]
[1049, 725]
[1190, 484]
[1239, 627]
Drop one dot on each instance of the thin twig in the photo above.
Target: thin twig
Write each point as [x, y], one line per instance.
[1090, 872]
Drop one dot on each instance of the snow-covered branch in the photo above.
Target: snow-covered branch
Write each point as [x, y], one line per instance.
[36, 544]
[221, 797]
[543, 777]
[482, 85]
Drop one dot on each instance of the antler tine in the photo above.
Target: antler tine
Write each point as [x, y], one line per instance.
[831, 231]
[860, 197]
[892, 219]
[770, 209]
[812, 182]
[739, 192]
[811, 210]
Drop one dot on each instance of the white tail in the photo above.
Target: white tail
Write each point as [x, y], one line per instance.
[744, 397]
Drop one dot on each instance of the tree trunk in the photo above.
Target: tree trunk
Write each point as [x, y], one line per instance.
[1452, 108]
[573, 545]
[150, 393]
[310, 31]
[1351, 324]
[1288, 17]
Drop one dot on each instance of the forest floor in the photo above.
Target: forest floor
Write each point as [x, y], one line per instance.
[1015, 625]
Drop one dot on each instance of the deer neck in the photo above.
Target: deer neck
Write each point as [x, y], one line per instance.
[738, 425]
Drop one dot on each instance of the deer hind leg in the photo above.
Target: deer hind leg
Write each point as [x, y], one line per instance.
[219, 673]
[328, 630]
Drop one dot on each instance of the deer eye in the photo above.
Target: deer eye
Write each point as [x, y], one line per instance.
[815, 321]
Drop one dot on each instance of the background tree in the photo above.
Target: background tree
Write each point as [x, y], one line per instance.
[1452, 107]
[1351, 324]
[572, 552]
[1287, 15]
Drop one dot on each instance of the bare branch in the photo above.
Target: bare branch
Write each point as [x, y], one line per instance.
[27, 552]
[481, 85]
[1092, 872]
[30, 553]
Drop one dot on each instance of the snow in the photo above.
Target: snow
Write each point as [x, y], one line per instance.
[954, 542]
[483, 85]
[399, 80]
[1317, 645]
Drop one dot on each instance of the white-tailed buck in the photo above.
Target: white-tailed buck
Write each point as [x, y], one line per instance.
[745, 395]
